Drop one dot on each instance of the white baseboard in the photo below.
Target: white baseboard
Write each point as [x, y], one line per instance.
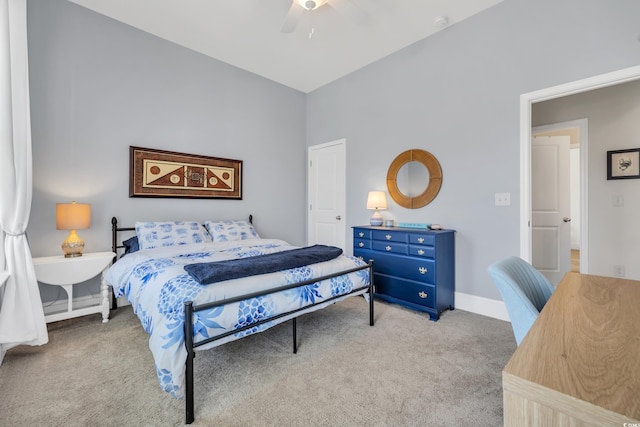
[122, 301]
[80, 302]
[60, 306]
[480, 305]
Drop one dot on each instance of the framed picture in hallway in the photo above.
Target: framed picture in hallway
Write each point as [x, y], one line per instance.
[623, 164]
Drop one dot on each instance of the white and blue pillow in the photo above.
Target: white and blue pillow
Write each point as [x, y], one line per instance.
[227, 231]
[171, 233]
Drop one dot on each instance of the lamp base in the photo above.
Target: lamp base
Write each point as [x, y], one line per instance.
[72, 254]
[376, 219]
[73, 245]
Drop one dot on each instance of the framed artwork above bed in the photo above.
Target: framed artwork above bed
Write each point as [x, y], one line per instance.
[159, 173]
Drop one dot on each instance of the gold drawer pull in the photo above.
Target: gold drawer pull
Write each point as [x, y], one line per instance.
[422, 270]
[420, 252]
[388, 248]
[388, 236]
[422, 294]
[361, 234]
[420, 239]
[361, 244]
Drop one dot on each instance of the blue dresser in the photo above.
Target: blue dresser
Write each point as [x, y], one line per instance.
[412, 267]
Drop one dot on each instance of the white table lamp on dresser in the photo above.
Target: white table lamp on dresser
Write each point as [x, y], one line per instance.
[376, 200]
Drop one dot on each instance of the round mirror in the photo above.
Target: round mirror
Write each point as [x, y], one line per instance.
[414, 178]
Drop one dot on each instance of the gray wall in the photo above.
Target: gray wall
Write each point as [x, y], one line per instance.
[456, 94]
[614, 124]
[99, 86]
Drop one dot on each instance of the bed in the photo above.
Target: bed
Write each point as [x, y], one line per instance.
[196, 285]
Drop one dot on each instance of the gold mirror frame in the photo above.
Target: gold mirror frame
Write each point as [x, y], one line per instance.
[435, 178]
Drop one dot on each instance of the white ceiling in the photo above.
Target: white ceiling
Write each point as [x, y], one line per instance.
[246, 33]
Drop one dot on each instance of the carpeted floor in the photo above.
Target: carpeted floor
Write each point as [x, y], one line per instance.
[404, 371]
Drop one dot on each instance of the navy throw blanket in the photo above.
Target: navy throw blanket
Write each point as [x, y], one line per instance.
[217, 271]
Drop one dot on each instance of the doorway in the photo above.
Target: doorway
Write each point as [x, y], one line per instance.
[577, 246]
[526, 102]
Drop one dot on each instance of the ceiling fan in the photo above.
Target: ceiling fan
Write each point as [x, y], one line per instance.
[347, 7]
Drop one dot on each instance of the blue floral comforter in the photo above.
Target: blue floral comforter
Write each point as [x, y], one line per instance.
[155, 283]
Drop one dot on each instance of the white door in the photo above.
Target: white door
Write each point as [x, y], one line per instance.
[327, 188]
[550, 206]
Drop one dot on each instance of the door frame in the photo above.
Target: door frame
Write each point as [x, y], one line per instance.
[583, 126]
[526, 100]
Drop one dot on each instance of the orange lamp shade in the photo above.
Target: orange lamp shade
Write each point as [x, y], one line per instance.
[73, 216]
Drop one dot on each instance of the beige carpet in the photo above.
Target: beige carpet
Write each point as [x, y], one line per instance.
[404, 371]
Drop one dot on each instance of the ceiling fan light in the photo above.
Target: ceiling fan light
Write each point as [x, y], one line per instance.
[311, 4]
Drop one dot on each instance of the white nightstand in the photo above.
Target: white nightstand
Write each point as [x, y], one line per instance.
[65, 272]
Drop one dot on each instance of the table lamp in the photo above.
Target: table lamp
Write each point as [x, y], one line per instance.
[376, 200]
[73, 216]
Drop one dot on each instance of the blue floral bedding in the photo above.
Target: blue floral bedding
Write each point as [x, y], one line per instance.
[155, 283]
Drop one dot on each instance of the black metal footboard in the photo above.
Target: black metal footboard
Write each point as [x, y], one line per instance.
[190, 309]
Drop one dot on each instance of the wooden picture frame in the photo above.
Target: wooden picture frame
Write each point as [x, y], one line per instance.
[159, 173]
[623, 164]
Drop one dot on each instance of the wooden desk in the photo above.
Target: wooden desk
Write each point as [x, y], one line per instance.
[579, 365]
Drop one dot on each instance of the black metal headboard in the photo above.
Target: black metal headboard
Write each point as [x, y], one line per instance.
[114, 236]
[115, 245]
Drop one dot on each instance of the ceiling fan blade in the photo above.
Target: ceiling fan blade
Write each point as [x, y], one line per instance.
[350, 9]
[292, 18]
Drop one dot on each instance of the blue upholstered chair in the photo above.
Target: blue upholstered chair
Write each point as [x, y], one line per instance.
[524, 291]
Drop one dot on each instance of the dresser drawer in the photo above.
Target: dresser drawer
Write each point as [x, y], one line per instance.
[392, 247]
[361, 243]
[422, 251]
[359, 233]
[422, 239]
[422, 270]
[413, 292]
[390, 236]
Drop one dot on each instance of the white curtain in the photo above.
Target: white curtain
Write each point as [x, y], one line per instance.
[21, 314]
